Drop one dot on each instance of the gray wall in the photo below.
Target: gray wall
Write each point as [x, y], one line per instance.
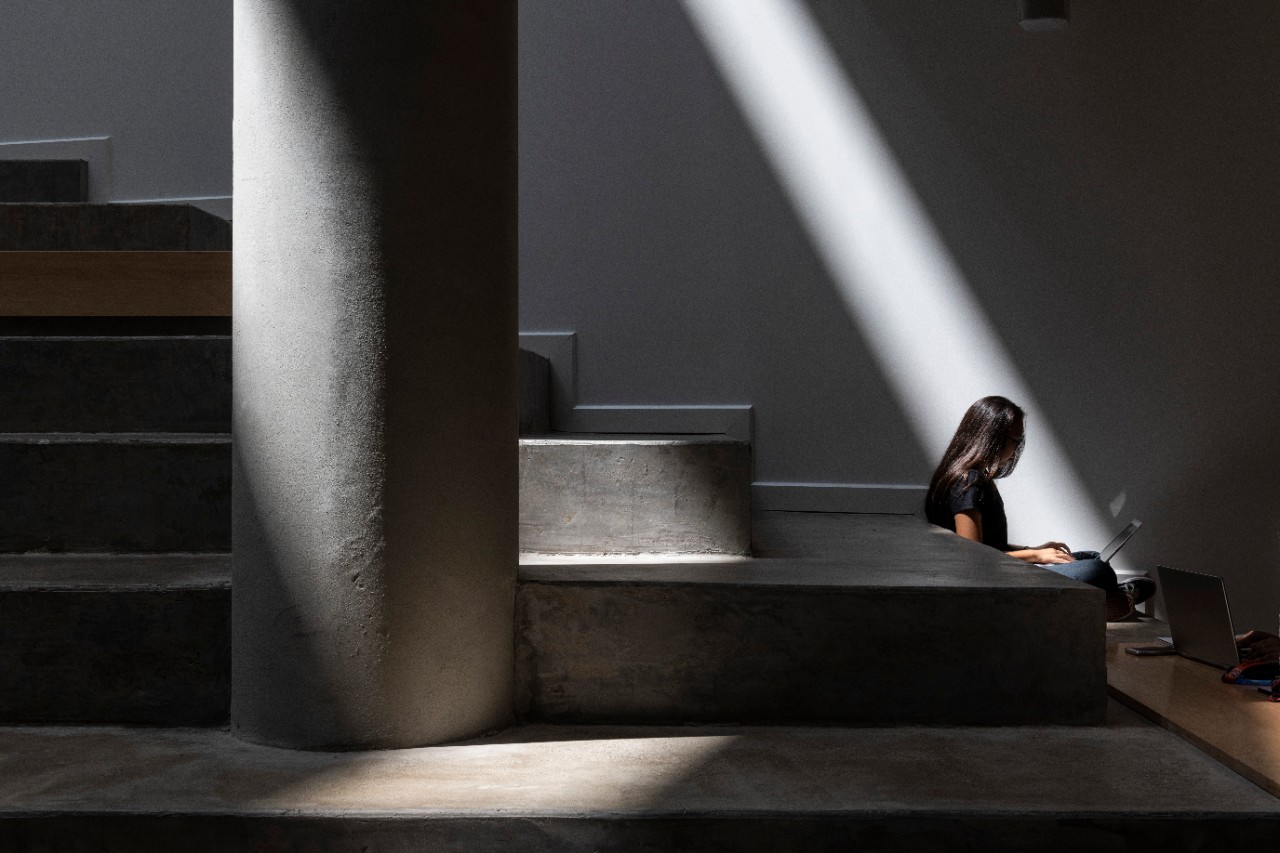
[151, 76]
[1109, 194]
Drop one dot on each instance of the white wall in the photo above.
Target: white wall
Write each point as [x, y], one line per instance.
[147, 84]
[1109, 194]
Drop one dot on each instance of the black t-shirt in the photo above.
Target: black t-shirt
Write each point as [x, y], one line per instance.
[973, 492]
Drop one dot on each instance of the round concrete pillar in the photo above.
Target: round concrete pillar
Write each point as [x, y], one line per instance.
[374, 351]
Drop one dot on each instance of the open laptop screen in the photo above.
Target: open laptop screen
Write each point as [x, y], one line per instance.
[1114, 546]
[1199, 617]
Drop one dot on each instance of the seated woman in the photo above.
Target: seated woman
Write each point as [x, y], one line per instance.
[963, 497]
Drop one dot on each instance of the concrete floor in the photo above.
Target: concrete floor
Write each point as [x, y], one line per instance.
[1128, 785]
[1126, 767]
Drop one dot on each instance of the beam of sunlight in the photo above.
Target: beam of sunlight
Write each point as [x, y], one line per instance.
[930, 337]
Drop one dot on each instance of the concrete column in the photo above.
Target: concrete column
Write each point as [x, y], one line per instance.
[374, 353]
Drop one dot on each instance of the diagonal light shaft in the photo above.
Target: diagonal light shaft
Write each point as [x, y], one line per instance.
[927, 332]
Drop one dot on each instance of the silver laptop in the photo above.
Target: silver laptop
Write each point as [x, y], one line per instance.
[1199, 617]
[1114, 546]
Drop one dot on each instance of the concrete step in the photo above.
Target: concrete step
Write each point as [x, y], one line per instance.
[142, 375]
[115, 384]
[111, 227]
[115, 639]
[44, 181]
[601, 494]
[1126, 786]
[847, 620]
[840, 619]
[121, 492]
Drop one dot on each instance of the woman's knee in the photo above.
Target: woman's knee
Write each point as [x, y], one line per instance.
[1094, 572]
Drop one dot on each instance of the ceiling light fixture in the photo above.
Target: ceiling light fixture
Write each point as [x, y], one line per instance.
[1041, 15]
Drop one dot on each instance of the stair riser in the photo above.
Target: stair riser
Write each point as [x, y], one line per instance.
[632, 498]
[156, 384]
[44, 181]
[159, 657]
[111, 227]
[116, 385]
[116, 497]
[761, 655]
[602, 654]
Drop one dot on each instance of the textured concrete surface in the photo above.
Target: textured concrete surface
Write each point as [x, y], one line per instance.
[535, 393]
[122, 492]
[44, 181]
[116, 384]
[374, 365]
[125, 639]
[107, 227]
[634, 494]
[1125, 786]
[864, 620]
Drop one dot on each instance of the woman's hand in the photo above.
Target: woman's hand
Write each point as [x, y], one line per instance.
[1260, 644]
[1052, 552]
[1057, 546]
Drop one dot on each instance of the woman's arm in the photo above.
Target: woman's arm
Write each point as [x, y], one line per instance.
[969, 525]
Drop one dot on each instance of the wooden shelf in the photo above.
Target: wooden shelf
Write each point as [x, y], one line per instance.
[1235, 724]
[115, 284]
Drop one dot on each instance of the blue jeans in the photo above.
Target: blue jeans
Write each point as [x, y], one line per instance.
[1088, 568]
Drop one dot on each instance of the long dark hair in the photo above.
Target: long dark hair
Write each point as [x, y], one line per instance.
[982, 435]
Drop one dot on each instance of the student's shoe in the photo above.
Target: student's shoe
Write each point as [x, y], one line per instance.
[1138, 589]
[1119, 606]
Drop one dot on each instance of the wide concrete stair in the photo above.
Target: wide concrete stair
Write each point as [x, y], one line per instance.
[115, 443]
[837, 620]
[88, 638]
[115, 581]
[690, 676]
[123, 383]
[142, 492]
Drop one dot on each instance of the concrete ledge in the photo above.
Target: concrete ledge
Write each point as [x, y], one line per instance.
[852, 620]
[634, 494]
[122, 639]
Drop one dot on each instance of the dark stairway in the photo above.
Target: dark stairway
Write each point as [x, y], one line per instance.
[115, 448]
